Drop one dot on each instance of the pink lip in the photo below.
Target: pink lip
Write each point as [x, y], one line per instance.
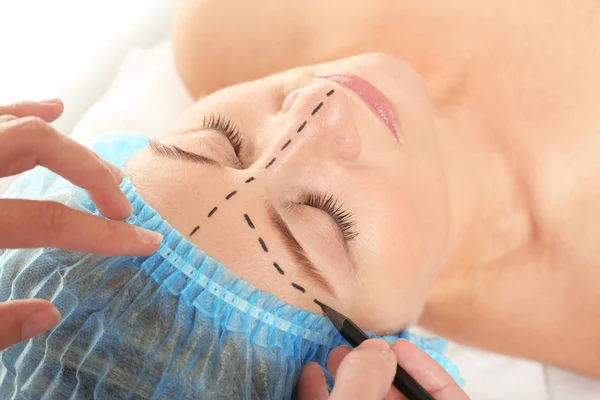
[378, 103]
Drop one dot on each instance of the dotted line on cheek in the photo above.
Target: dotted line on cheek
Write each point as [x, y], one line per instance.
[301, 127]
[270, 163]
[286, 144]
[249, 221]
[298, 287]
[278, 268]
[262, 243]
[317, 108]
[250, 179]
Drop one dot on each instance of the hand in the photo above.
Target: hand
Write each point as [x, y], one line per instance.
[27, 140]
[24, 319]
[366, 373]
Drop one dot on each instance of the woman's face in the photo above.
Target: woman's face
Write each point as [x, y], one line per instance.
[312, 195]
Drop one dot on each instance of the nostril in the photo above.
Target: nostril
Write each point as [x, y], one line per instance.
[289, 101]
[294, 82]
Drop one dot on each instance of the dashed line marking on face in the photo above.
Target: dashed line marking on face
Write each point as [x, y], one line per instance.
[286, 144]
[263, 245]
[298, 287]
[317, 108]
[301, 127]
[249, 221]
[278, 268]
[270, 163]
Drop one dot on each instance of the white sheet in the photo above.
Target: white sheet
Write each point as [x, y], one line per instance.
[146, 95]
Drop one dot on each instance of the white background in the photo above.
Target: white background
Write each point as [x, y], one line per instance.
[51, 48]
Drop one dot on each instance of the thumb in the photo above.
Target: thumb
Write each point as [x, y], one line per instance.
[24, 319]
[366, 373]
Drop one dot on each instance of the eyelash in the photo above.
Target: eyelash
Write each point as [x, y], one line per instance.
[226, 127]
[330, 205]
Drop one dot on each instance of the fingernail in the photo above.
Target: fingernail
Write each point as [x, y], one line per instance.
[380, 346]
[40, 322]
[56, 100]
[386, 353]
[376, 344]
[129, 208]
[117, 172]
[149, 237]
[125, 203]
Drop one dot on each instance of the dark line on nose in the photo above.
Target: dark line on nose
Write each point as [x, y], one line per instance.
[249, 221]
[286, 144]
[195, 230]
[330, 92]
[249, 179]
[230, 195]
[278, 268]
[212, 211]
[270, 163]
[263, 245]
[317, 108]
[301, 127]
[298, 287]
[317, 302]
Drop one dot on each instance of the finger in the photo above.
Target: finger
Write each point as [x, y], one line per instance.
[366, 373]
[33, 224]
[48, 110]
[312, 385]
[24, 319]
[27, 142]
[432, 376]
[335, 359]
[116, 171]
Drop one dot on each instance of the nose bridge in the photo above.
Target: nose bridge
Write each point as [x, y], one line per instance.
[322, 124]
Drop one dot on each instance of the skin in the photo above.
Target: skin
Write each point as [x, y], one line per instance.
[344, 146]
[514, 94]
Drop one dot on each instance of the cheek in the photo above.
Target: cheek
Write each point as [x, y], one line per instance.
[403, 251]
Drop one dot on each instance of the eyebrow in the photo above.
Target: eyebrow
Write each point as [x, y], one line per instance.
[175, 153]
[297, 251]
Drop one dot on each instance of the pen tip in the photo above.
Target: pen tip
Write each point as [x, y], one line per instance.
[335, 317]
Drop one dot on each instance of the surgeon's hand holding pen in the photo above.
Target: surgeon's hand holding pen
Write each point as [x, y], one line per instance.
[366, 373]
[26, 141]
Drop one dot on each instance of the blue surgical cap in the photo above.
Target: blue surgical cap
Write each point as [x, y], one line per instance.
[174, 325]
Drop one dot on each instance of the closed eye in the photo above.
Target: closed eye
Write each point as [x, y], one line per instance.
[227, 128]
[343, 218]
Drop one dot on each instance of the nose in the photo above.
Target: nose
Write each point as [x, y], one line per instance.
[320, 123]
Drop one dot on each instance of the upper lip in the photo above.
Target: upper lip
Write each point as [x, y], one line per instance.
[377, 102]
